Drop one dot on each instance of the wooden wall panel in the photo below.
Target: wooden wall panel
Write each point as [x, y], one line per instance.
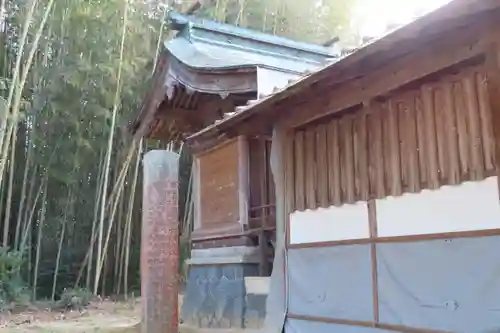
[409, 144]
[334, 186]
[262, 189]
[360, 150]
[322, 172]
[219, 186]
[270, 186]
[450, 123]
[310, 168]
[430, 138]
[375, 152]
[461, 112]
[299, 176]
[347, 160]
[487, 137]
[437, 134]
[256, 163]
[290, 175]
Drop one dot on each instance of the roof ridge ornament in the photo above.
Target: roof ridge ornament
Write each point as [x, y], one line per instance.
[176, 21]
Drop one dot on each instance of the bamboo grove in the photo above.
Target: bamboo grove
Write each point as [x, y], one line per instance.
[72, 76]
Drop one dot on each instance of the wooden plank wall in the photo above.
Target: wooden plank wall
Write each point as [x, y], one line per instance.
[219, 185]
[437, 134]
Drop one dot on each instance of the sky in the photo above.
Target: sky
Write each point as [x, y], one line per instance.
[374, 15]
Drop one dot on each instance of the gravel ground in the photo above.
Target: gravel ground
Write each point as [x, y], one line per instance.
[100, 317]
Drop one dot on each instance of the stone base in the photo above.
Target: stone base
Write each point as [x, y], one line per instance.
[257, 289]
[217, 295]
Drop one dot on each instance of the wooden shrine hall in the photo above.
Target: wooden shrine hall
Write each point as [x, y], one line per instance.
[387, 166]
[202, 74]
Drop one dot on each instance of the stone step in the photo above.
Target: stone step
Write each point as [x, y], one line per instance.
[257, 285]
[257, 289]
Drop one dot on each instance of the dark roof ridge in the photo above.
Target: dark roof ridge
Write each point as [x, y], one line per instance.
[180, 22]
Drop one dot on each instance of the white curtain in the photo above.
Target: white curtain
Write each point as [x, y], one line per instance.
[276, 306]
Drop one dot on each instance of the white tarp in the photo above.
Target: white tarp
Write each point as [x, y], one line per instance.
[276, 299]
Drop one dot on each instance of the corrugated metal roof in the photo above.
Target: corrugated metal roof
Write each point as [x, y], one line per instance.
[208, 45]
[200, 25]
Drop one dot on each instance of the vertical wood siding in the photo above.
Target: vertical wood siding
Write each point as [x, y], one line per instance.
[437, 134]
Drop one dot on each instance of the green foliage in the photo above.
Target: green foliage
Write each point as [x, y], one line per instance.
[66, 111]
[74, 299]
[13, 290]
[309, 21]
[67, 103]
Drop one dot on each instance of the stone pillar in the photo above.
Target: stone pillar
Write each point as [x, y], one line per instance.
[160, 245]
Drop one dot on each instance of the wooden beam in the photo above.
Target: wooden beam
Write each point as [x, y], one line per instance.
[222, 231]
[463, 46]
[359, 323]
[251, 127]
[198, 147]
[493, 77]
[197, 193]
[264, 195]
[263, 253]
[167, 112]
[372, 219]
[400, 239]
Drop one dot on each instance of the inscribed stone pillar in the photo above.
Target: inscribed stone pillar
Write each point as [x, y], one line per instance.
[159, 249]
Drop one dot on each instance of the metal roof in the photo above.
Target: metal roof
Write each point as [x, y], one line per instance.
[220, 59]
[206, 45]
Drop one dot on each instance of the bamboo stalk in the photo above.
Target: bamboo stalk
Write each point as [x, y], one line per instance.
[94, 236]
[240, 20]
[63, 228]
[23, 190]
[100, 186]
[29, 220]
[8, 204]
[159, 42]
[20, 87]
[100, 253]
[119, 189]
[105, 274]
[59, 248]
[29, 202]
[17, 68]
[29, 217]
[2, 195]
[118, 242]
[39, 239]
[128, 225]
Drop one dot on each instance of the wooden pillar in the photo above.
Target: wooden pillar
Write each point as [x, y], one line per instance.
[196, 193]
[277, 166]
[243, 180]
[160, 243]
[493, 77]
[264, 266]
